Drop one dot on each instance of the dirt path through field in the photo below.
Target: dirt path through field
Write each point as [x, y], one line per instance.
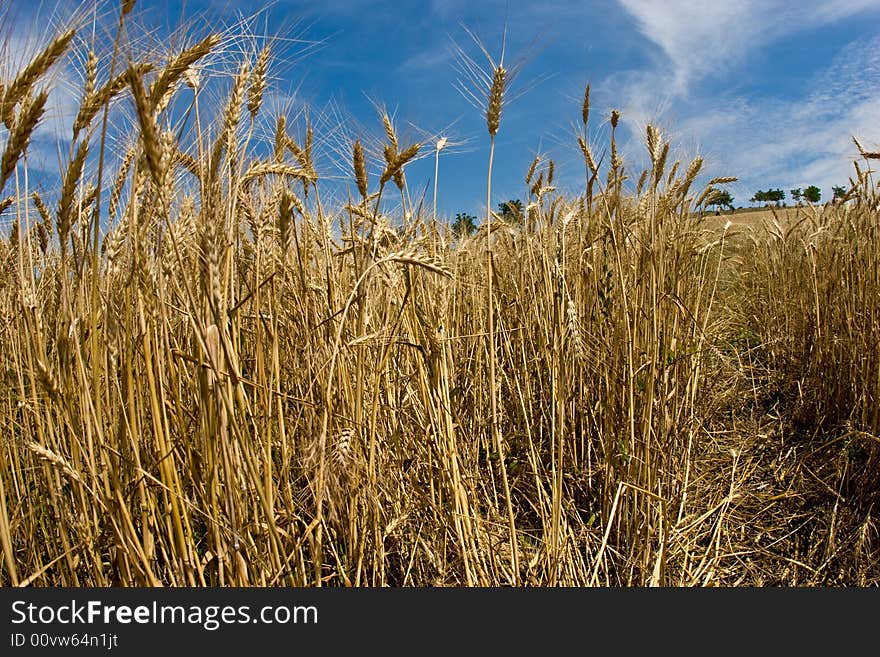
[778, 492]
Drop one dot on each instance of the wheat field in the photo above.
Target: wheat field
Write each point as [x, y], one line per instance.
[210, 377]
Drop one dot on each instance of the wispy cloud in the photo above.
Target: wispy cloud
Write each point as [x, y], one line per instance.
[706, 38]
[795, 139]
[435, 58]
[799, 141]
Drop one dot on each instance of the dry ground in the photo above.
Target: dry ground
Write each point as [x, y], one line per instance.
[756, 218]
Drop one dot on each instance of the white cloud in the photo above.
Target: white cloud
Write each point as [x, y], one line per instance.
[705, 38]
[795, 141]
[801, 141]
[809, 140]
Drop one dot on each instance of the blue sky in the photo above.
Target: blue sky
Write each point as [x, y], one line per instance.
[766, 90]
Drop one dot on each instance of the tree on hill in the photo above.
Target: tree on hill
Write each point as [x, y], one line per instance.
[464, 225]
[720, 198]
[770, 196]
[813, 194]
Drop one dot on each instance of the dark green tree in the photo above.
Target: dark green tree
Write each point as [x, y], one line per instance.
[511, 210]
[813, 194]
[797, 194]
[839, 193]
[721, 198]
[770, 196]
[464, 224]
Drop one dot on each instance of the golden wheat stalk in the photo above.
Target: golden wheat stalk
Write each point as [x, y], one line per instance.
[258, 82]
[48, 455]
[280, 137]
[24, 81]
[398, 162]
[179, 65]
[389, 131]
[360, 169]
[68, 191]
[413, 256]
[121, 175]
[261, 169]
[147, 121]
[868, 155]
[97, 100]
[20, 134]
[496, 100]
[585, 107]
